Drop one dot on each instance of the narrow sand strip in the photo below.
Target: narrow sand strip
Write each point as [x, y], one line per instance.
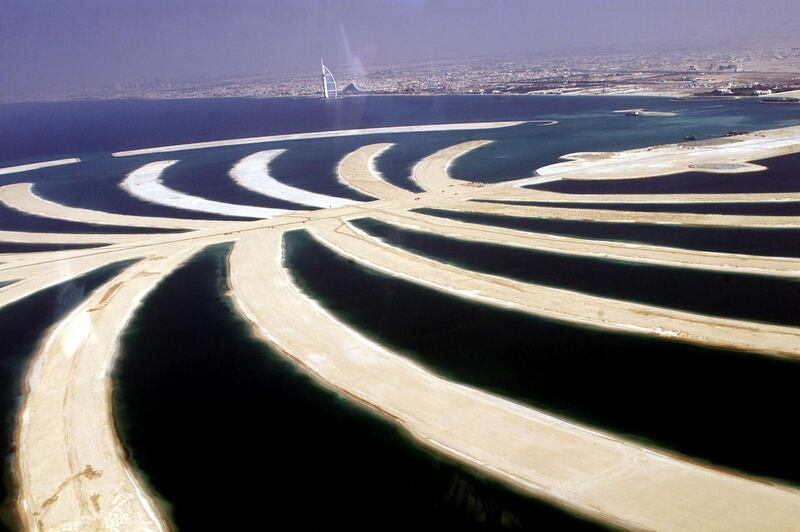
[252, 172]
[729, 155]
[23, 259]
[145, 183]
[707, 220]
[319, 135]
[36, 166]
[787, 94]
[69, 238]
[557, 303]
[644, 112]
[358, 170]
[681, 258]
[73, 474]
[432, 172]
[527, 194]
[49, 269]
[20, 196]
[597, 474]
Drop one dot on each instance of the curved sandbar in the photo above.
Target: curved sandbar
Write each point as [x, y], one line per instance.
[319, 135]
[72, 472]
[145, 183]
[252, 172]
[711, 220]
[357, 170]
[431, 173]
[70, 238]
[557, 303]
[44, 270]
[686, 258]
[724, 155]
[528, 194]
[597, 474]
[20, 196]
[36, 166]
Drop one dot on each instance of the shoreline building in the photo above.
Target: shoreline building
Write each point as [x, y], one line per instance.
[329, 89]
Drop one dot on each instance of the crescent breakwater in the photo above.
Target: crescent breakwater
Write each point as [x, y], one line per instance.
[37, 166]
[69, 448]
[318, 135]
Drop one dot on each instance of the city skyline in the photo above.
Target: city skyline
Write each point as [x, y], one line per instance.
[58, 47]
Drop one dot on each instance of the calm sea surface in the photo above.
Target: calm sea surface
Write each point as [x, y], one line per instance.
[235, 437]
[230, 434]
[91, 130]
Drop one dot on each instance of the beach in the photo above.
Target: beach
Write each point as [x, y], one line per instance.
[71, 467]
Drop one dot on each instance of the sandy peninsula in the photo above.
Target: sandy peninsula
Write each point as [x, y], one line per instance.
[73, 474]
[36, 166]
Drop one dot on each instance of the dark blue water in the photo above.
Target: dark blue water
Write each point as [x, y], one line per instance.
[731, 408]
[207, 176]
[750, 297]
[587, 126]
[745, 240]
[94, 184]
[93, 129]
[22, 326]
[759, 208]
[32, 131]
[312, 166]
[236, 438]
[782, 175]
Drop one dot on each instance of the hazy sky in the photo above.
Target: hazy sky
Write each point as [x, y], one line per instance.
[89, 43]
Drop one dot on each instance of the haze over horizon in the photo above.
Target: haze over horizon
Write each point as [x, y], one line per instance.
[49, 45]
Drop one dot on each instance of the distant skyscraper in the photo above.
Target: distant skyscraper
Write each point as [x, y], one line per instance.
[329, 89]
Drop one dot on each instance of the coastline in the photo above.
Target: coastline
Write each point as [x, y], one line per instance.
[411, 410]
[36, 166]
[162, 253]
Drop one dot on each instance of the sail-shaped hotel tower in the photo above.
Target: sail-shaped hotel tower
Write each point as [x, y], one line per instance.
[329, 88]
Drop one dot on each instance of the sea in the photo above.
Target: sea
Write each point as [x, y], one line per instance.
[229, 434]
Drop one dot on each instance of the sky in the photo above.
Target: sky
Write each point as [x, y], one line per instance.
[55, 45]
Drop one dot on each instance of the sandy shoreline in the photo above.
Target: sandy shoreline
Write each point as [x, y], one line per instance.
[252, 173]
[632, 216]
[677, 158]
[557, 303]
[71, 467]
[358, 171]
[616, 482]
[36, 166]
[319, 135]
[21, 197]
[65, 423]
[642, 253]
[545, 196]
[432, 173]
[145, 183]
